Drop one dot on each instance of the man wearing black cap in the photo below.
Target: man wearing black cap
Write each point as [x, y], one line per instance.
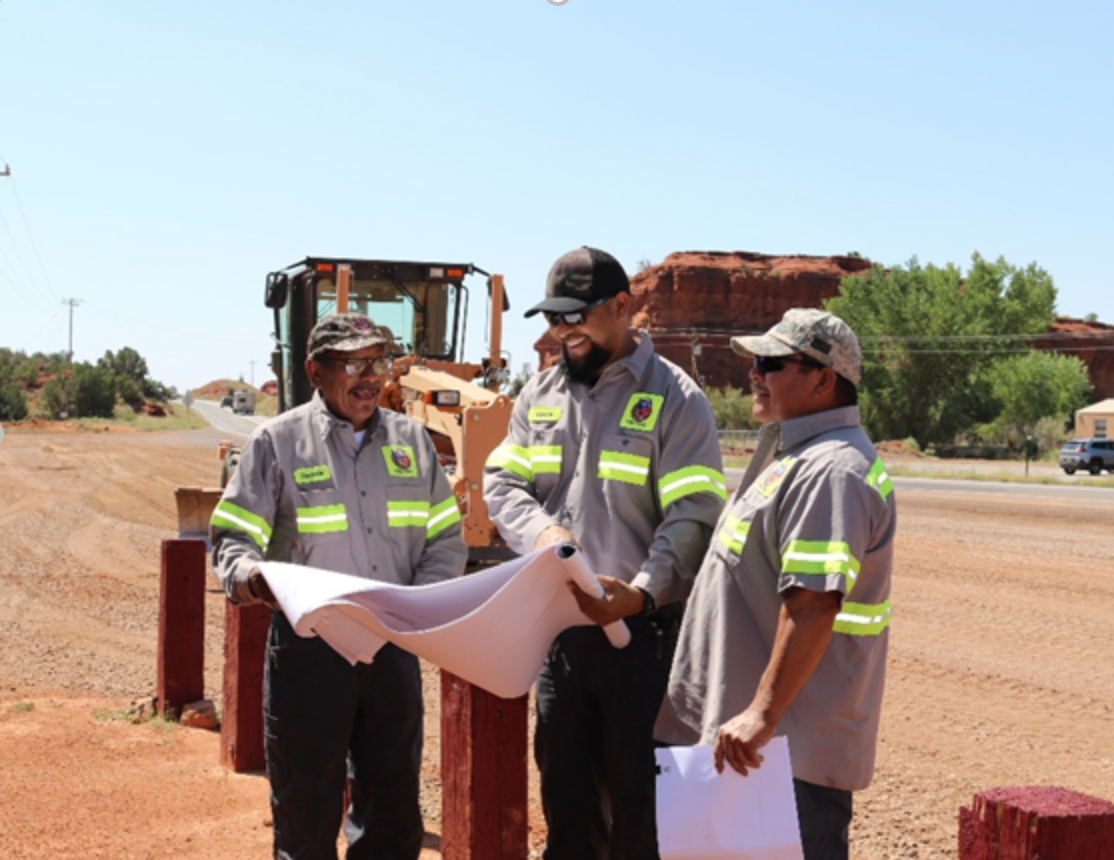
[615, 449]
[342, 485]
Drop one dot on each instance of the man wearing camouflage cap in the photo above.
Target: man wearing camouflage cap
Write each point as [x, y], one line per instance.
[788, 622]
[342, 485]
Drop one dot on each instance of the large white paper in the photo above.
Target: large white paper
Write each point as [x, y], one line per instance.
[704, 815]
[491, 628]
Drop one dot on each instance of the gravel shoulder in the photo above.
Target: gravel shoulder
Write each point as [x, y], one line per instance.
[999, 674]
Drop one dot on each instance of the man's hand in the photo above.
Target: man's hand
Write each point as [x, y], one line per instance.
[554, 534]
[257, 585]
[619, 600]
[740, 738]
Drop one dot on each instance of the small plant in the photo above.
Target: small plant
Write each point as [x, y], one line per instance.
[22, 707]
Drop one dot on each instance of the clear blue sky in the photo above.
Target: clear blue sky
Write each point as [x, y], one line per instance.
[166, 156]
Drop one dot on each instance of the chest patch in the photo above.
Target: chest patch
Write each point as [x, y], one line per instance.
[312, 475]
[400, 461]
[771, 479]
[642, 412]
[544, 414]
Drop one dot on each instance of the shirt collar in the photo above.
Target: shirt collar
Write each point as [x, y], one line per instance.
[327, 422]
[797, 431]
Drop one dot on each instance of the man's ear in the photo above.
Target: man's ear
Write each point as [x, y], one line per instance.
[825, 383]
[623, 305]
[313, 371]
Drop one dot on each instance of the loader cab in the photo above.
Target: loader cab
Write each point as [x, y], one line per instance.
[423, 306]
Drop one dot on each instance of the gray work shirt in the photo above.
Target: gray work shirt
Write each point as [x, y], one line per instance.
[815, 511]
[629, 466]
[303, 493]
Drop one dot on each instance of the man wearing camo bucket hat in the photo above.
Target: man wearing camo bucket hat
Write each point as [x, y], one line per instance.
[788, 623]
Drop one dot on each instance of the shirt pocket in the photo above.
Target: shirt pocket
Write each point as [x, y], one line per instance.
[625, 467]
[406, 509]
[546, 455]
[321, 519]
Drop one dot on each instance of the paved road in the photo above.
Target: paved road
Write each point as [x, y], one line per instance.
[225, 420]
[1074, 490]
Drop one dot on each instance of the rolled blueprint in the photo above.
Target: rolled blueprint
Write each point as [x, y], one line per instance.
[617, 631]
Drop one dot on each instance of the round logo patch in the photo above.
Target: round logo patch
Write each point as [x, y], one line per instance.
[401, 459]
[642, 409]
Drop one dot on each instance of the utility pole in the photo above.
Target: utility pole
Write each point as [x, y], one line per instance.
[252, 363]
[73, 303]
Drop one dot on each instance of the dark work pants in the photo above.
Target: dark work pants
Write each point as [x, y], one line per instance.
[824, 815]
[325, 720]
[594, 741]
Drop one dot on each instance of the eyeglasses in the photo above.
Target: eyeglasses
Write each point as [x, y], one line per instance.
[764, 364]
[358, 366]
[571, 318]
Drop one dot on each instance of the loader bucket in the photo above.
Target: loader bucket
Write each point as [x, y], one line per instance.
[195, 508]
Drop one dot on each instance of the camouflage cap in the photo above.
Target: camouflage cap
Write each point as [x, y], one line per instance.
[347, 333]
[818, 334]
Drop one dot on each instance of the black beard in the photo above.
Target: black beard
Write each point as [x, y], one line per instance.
[587, 369]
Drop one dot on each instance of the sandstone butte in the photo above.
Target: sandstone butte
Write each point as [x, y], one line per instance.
[694, 301]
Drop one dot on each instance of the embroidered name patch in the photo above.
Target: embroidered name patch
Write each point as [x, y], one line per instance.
[642, 412]
[312, 475]
[544, 414]
[400, 461]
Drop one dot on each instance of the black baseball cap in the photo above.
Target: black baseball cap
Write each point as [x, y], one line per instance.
[580, 278]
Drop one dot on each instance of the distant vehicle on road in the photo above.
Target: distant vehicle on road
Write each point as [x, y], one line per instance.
[1094, 455]
[226, 401]
[243, 402]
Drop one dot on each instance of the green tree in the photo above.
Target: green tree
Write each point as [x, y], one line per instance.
[928, 331]
[733, 409]
[13, 402]
[514, 388]
[1037, 385]
[55, 398]
[125, 363]
[93, 392]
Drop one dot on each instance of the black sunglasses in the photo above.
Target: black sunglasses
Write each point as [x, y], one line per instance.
[764, 364]
[572, 317]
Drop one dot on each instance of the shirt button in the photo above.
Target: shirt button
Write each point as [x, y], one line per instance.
[363, 492]
[375, 568]
[369, 531]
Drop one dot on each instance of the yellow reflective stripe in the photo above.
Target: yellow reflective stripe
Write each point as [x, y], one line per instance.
[818, 558]
[691, 479]
[628, 468]
[862, 619]
[879, 478]
[513, 458]
[229, 516]
[327, 518]
[442, 516]
[545, 459]
[407, 513]
[734, 533]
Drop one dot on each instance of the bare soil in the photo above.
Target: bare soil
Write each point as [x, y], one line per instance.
[1000, 669]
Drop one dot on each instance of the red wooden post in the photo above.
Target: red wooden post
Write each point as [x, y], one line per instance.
[241, 728]
[1036, 823]
[181, 647]
[483, 773]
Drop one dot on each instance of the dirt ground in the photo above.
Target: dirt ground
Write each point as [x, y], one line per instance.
[1000, 669]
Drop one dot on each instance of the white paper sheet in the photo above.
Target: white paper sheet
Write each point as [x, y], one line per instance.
[491, 628]
[704, 815]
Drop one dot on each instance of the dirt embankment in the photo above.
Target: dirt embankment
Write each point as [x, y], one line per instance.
[999, 671]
